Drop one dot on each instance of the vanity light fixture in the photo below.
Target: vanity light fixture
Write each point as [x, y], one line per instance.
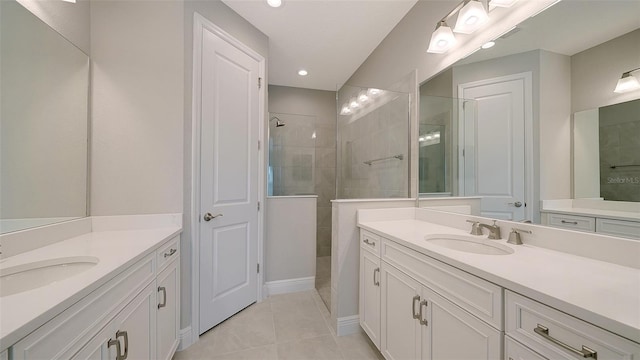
[501, 3]
[374, 92]
[362, 97]
[627, 82]
[353, 103]
[274, 3]
[303, 72]
[345, 110]
[471, 17]
[442, 39]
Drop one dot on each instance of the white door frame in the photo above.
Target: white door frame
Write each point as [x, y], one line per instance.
[528, 136]
[199, 24]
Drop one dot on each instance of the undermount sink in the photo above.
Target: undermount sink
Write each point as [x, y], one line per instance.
[475, 245]
[23, 277]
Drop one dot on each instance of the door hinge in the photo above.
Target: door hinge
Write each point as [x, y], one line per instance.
[258, 268]
[258, 205]
[259, 83]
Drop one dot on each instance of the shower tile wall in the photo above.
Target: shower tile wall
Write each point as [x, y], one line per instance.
[379, 134]
[620, 147]
[321, 106]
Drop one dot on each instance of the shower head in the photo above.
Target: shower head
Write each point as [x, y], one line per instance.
[279, 122]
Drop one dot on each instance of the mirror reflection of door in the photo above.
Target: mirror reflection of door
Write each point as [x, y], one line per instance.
[493, 138]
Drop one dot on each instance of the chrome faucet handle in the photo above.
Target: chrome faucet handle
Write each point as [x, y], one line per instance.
[475, 228]
[514, 236]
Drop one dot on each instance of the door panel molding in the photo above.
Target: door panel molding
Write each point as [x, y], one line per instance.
[200, 24]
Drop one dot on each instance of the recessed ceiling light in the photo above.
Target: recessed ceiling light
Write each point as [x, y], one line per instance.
[488, 45]
[302, 72]
[274, 3]
[70, 1]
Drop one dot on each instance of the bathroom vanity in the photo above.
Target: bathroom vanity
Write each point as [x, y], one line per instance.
[429, 289]
[119, 297]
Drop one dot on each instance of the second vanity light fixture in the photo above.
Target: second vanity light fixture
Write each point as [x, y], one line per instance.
[627, 82]
[472, 14]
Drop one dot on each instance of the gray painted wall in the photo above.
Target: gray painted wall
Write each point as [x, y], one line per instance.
[595, 72]
[322, 105]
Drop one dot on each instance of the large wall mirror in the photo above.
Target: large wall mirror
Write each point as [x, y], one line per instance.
[514, 144]
[43, 123]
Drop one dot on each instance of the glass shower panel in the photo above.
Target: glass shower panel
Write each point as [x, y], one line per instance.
[373, 143]
[292, 155]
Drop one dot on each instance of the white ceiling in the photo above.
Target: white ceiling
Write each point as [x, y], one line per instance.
[328, 38]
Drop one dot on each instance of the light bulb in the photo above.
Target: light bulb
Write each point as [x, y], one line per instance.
[345, 110]
[353, 103]
[488, 45]
[363, 97]
[471, 17]
[274, 3]
[302, 72]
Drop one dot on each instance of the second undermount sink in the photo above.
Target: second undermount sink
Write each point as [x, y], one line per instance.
[23, 277]
[469, 244]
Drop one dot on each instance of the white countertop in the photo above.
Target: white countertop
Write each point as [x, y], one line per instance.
[610, 214]
[604, 294]
[24, 312]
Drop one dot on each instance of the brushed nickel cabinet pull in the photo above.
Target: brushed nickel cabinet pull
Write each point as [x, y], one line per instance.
[170, 253]
[126, 344]
[115, 342]
[376, 282]
[366, 241]
[569, 222]
[585, 352]
[164, 297]
[423, 321]
[413, 306]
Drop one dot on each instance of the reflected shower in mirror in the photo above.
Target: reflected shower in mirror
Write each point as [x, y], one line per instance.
[43, 123]
[606, 145]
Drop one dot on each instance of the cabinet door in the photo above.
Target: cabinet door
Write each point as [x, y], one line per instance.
[133, 330]
[400, 305]
[168, 314]
[370, 295]
[516, 351]
[452, 333]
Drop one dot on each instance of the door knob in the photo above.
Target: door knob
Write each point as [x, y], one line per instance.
[209, 217]
[516, 204]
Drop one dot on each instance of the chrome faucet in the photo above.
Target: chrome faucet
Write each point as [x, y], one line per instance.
[494, 230]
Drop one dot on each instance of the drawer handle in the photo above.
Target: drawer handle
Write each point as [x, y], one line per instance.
[423, 321]
[416, 299]
[366, 241]
[569, 222]
[164, 297]
[171, 252]
[585, 352]
[126, 343]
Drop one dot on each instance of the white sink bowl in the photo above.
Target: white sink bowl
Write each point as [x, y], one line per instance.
[23, 277]
[469, 244]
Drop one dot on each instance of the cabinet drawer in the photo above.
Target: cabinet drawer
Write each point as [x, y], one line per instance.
[618, 227]
[370, 242]
[167, 252]
[479, 297]
[66, 333]
[558, 332]
[583, 223]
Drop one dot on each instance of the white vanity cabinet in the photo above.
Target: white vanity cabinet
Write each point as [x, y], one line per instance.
[594, 223]
[418, 322]
[134, 315]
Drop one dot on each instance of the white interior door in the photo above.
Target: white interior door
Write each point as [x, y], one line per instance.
[494, 145]
[229, 108]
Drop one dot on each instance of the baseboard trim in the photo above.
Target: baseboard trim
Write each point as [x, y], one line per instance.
[348, 325]
[186, 338]
[290, 285]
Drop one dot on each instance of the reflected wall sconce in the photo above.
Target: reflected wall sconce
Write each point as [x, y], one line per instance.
[627, 82]
[471, 15]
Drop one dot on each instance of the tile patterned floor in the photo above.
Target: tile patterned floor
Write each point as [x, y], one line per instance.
[283, 327]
